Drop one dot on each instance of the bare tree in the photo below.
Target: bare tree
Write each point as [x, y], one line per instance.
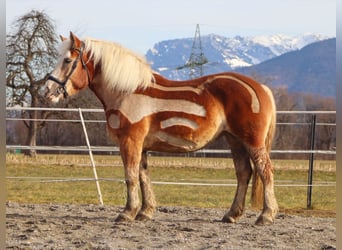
[31, 53]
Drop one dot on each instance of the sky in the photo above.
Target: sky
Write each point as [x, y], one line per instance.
[139, 24]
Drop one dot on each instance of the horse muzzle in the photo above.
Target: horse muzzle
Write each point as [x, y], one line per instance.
[61, 88]
[54, 91]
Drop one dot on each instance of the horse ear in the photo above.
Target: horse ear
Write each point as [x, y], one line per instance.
[63, 38]
[75, 40]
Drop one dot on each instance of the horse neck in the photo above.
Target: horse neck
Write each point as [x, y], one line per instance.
[110, 97]
[103, 93]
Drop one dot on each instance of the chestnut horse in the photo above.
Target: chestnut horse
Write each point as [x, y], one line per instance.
[145, 111]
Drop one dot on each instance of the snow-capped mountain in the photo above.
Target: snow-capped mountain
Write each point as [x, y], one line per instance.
[223, 53]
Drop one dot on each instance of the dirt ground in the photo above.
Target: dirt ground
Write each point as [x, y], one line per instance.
[32, 226]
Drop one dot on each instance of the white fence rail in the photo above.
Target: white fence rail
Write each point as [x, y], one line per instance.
[116, 149]
[88, 148]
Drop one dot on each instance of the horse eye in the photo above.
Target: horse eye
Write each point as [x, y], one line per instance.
[67, 60]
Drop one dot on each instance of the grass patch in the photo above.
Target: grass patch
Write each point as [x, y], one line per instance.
[34, 181]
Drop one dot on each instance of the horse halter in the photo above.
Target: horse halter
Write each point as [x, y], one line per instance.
[61, 89]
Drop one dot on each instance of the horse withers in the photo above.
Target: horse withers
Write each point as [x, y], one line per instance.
[145, 111]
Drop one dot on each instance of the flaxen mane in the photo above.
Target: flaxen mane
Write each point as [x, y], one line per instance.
[122, 70]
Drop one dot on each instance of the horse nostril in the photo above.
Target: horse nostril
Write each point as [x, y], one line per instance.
[47, 90]
[48, 95]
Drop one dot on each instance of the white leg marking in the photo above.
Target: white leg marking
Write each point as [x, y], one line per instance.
[114, 121]
[137, 106]
[178, 121]
[255, 106]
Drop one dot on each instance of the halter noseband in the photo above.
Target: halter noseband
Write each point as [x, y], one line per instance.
[61, 89]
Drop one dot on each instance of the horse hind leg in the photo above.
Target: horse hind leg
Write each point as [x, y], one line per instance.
[148, 199]
[263, 165]
[243, 171]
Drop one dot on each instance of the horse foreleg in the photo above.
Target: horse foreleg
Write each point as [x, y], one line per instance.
[131, 156]
[148, 199]
[243, 171]
[264, 167]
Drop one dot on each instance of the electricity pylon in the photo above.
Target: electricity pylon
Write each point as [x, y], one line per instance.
[197, 58]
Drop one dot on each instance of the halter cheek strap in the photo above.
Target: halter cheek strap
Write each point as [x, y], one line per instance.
[61, 89]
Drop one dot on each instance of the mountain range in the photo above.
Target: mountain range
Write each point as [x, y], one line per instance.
[302, 63]
[311, 69]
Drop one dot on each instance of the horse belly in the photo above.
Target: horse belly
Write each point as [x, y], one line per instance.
[183, 134]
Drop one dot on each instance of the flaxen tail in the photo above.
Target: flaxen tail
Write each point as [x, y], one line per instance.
[257, 186]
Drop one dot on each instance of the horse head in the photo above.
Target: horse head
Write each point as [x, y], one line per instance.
[72, 72]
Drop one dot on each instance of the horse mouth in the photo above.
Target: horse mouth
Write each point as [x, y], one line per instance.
[51, 98]
[53, 95]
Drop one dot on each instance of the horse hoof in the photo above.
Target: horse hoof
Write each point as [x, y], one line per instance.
[123, 218]
[264, 220]
[228, 219]
[143, 217]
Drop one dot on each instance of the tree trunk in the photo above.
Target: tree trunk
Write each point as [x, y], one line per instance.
[31, 139]
[32, 134]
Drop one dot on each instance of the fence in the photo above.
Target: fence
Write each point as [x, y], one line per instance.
[90, 149]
